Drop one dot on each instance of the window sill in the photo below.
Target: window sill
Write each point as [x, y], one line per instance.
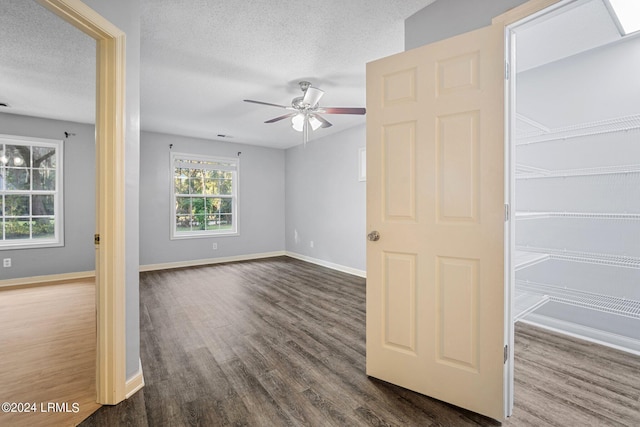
[30, 245]
[203, 235]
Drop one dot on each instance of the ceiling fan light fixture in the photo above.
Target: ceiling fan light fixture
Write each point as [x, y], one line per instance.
[297, 122]
[314, 122]
[305, 113]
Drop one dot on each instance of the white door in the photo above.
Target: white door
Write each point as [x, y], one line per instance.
[435, 194]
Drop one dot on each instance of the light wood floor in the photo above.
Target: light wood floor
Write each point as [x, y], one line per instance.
[48, 352]
[281, 342]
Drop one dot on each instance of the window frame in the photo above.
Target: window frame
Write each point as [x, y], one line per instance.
[58, 195]
[234, 196]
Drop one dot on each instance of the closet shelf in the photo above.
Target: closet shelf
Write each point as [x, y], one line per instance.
[582, 215]
[586, 257]
[524, 259]
[619, 124]
[526, 302]
[524, 172]
[604, 303]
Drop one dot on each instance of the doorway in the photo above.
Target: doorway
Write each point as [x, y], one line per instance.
[576, 174]
[110, 190]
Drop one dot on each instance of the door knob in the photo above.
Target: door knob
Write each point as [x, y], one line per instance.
[374, 236]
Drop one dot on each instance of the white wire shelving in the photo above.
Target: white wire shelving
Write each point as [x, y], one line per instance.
[604, 303]
[579, 215]
[530, 172]
[578, 256]
[530, 296]
[539, 134]
[526, 302]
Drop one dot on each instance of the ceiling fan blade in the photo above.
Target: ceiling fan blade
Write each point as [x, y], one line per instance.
[312, 96]
[277, 119]
[342, 110]
[265, 103]
[325, 122]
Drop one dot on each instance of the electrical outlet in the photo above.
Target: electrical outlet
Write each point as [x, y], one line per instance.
[214, 246]
[6, 262]
[311, 243]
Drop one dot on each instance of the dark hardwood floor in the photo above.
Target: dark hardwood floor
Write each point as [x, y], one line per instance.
[280, 342]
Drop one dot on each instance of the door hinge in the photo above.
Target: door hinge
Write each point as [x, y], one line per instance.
[506, 353]
[96, 239]
[507, 213]
[507, 70]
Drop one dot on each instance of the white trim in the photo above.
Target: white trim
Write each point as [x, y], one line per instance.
[135, 383]
[58, 194]
[331, 265]
[111, 122]
[585, 333]
[199, 262]
[530, 10]
[234, 168]
[249, 257]
[46, 279]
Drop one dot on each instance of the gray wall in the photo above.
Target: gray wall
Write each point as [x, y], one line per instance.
[447, 18]
[125, 14]
[261, 201]
[77, 254]
[325, 202]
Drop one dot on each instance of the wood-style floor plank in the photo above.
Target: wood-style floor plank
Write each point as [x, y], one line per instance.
[280, 342]
[48, 353]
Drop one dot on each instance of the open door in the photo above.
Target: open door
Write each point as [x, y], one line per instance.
[436, 318]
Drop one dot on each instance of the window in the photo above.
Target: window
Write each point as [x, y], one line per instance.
[30, 192]
[204, 196]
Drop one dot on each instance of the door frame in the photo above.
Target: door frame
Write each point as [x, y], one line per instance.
[110, 191]
[525, 12]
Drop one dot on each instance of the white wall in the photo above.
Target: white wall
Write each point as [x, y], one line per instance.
[77, 254]
[447, 18]
[261, 201]
[325, 202]
[595, 85]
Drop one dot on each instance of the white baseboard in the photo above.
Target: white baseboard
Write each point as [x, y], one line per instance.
[248, 257]
[331, 265]
[36, 280]
[198, 262]
[586, 333]
[135, 383]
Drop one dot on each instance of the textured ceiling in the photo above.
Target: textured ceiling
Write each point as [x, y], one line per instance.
[200, 59]
[47, 67]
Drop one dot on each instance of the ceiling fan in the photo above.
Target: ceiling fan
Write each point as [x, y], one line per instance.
[305, 111]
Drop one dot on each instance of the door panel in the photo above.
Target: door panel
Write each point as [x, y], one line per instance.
[435, 193]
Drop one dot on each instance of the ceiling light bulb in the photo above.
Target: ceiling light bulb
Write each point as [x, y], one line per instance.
[17, 161]
[297, 122]
[314, 122]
